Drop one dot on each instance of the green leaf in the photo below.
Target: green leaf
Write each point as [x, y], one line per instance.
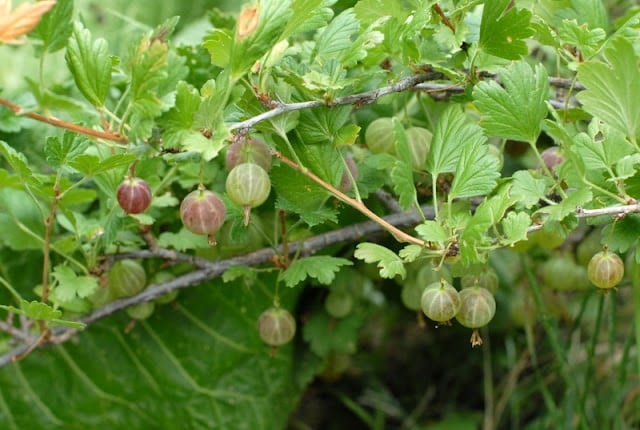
[432, 231]
[587, 41]
[183, 240]
[516, 111]
[21, 220]
[387, 261]
[476, 173]
[622, 234]
[326, 335]
[568, 206]
[59, 152]
[238, 272]
[337, 37]
[403, 186]
[273, 16]
[157, 383]
[528, 188]
[514, 227]
[299, 194]
[323, 268]
[307, 15]
[69, 285]
[410, 253]
[37, 310]
[90, 165]
[54, 28]
[90, 64]
[453, 132]
[321, 125]
[18, 163]
[613, 89]
[503, 29]
[219, 43]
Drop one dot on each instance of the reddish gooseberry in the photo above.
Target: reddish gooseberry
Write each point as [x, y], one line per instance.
[134, 195]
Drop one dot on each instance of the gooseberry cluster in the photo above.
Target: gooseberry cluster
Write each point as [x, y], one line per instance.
[473, 306]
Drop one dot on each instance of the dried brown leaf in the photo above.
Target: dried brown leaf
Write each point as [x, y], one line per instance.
[22, 20]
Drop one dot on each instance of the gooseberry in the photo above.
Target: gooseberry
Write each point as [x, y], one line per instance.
[349, 175]
[134, 195]
[141, 311]
[126, 278]
[440, 301]
[248, 150]
[338, 303]
[380, 137]
[605, 269]
[419, 142]
[477, 307]
[161, 278]
[203, 212]
[248, 185]
[487, 278]
[552, 157]
[276, 326]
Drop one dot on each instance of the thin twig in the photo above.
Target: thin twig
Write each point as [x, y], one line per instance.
[359, 99]
[114, 137]
[398, 234]
[445, 19]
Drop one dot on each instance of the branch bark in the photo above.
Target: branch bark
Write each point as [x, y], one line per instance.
[208, 270]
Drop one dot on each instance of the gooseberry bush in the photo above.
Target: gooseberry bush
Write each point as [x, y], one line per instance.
[210, 215]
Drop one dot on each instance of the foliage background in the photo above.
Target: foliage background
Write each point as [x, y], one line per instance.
[199, 363]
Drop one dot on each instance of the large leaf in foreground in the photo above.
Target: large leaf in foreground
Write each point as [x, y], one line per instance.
[197, 364]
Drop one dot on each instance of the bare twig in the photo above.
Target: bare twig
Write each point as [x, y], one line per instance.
[114, 137]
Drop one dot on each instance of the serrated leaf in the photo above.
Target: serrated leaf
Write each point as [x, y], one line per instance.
[410, 253]
[503, 29]
[622, 234]
[219, 43]
[476, 173]
[517, 110]
[568, 206]
[336, 38]
[453, 132]
[70, 285]
[307, 15]
[613, 89]
[18, 163]
[403, 186]
[240, 271]
[208, 148]
[325, 335]
[183, 240]
[39, 311]
[529, 189]
[60, 152]
[54, 29]
[273, 16]
[299, 194]
[90, 64]
[587, 40]
[91, 165]
[389, 263]
[323, 268]
[321, 125]
[432, 231]
[514, 227]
